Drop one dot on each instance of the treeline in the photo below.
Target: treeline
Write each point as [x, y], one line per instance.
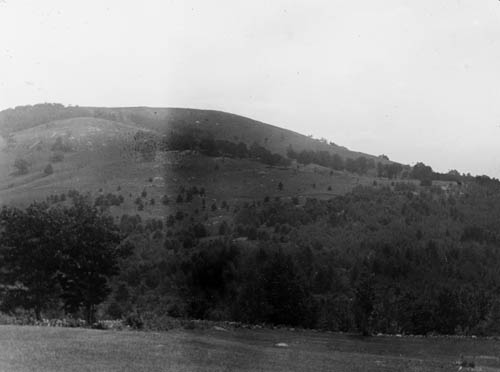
[24, 117]
[362, 165]
[147, 144]
[359, 165]
[374, 260]
[211, 147]
[425, 174]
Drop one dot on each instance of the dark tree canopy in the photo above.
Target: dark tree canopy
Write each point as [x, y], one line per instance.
[58, 253]
[89, 257]
[30, 244]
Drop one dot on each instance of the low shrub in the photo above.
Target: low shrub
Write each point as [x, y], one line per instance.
[116, 325]
[6, 319]
[134, 321]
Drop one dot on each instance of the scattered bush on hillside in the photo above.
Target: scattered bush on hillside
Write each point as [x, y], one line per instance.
[57, 157]
[129, 224]
[146, 144]
[48, 170]
[139, 203]
[224, 228]
[154, 224]
[108, 200]
[22, 166]
[52, 199]
[60, 146]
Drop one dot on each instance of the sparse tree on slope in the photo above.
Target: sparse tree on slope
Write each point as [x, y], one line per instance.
[21, 165]
[48, 170]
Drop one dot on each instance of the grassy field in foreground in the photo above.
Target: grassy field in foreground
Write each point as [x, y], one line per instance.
[64, 349]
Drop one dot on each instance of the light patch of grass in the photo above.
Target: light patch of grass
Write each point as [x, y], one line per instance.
[43, 349]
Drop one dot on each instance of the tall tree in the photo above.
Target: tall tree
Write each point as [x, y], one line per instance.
[363, 300]
[89, 257]
[30, 251]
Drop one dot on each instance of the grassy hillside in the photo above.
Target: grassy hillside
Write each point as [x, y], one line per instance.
[97, 154]
[219, 124]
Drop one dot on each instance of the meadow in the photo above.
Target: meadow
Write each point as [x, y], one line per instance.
[27, 348]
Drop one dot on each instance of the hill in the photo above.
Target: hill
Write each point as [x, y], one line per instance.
[218, 124]
[97, 152]
[224, 218]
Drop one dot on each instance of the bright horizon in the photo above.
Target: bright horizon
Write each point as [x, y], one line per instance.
[418, 81]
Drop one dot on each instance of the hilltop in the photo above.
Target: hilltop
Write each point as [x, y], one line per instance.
[98, 150]
[220, 125]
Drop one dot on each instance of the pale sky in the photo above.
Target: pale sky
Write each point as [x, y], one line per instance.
[416, 80]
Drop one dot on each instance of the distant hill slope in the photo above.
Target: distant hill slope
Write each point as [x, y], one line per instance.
[220, 125]
[93, 149]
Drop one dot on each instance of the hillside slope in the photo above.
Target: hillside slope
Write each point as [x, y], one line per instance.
[212, 227]
[93, 150]
[220, 125]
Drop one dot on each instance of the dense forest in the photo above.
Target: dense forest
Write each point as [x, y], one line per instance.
[400, 259]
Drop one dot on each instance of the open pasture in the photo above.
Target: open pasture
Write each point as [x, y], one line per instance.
[64, 349]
